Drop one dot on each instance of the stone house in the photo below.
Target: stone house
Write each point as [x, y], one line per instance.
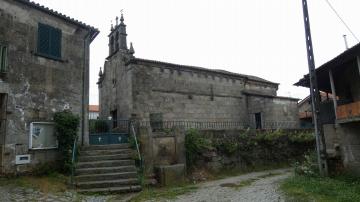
[44, 57]
[305, 111]
[341, 117]
[93, 112]
[153, 90]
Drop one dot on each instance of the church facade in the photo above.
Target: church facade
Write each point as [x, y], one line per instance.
[149, 89]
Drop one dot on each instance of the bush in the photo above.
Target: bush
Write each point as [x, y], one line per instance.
[308, 167]
[251, 147]
[99, 126]
[195, 145]
[66, 126]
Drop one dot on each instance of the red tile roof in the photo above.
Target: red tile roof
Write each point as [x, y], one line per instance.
[94, 108]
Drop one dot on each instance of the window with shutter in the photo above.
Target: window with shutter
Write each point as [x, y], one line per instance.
[3, 58]
[49, 41]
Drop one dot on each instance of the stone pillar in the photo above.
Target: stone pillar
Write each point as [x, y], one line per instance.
[146, 149]
[180, 145]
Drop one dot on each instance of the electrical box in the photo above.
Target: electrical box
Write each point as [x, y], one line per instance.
[22, 159]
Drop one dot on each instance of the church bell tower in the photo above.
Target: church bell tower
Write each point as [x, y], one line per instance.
[117, 37]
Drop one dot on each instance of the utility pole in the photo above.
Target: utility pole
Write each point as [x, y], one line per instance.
[315, 97]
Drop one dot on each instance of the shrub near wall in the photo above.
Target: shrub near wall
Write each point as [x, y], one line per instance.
[66, 126]
[217, 149]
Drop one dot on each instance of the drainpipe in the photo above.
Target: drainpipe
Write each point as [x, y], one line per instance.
[86, 65]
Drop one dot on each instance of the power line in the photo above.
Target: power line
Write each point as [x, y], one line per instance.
[338, 15]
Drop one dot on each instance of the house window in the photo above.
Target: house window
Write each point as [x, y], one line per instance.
[3, 58]
[49, 41]
[258, 121]
[42, 136]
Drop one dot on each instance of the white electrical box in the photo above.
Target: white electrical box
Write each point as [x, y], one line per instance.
[22, 159]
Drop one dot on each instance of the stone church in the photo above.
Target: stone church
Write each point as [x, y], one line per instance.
[150, 89]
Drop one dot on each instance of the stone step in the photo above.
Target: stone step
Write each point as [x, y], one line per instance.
[103, 170]
[107, 183]
[106, 176]
[121, 189]
[108, 163]
[105, 152]
[106, 147]
[105, 157]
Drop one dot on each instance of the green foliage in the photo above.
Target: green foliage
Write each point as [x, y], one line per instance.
[66, 126]
[308, 167]
[99, 126]
[250, 146]
[161, 194]
[305, 188]
[302, 137]
[195, 145]
[132, 142]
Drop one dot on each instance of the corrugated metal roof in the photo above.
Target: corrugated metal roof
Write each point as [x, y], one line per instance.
[334, 64]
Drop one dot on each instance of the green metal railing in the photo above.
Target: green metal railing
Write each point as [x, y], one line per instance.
[132, 131]
[73, 161]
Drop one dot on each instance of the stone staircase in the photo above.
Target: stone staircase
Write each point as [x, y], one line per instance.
[106, 168]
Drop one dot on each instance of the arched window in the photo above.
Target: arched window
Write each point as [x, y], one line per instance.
[111, 45]
[117, 41]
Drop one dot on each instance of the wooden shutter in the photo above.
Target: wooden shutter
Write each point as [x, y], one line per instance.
[43, 39]
[55, 42]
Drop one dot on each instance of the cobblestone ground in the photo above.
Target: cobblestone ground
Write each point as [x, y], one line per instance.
[20, 194]
[262, 187]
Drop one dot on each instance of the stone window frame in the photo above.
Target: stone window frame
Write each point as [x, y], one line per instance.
[3, 58]
[31, 137]
[51, 37]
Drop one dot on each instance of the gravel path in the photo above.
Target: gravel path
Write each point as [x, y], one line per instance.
[257, 186]
[9, 193]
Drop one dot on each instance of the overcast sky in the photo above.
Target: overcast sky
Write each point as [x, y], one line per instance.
[257, 37]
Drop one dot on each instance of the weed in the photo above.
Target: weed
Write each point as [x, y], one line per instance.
[54, 182]
[306, 188]
[151, 193]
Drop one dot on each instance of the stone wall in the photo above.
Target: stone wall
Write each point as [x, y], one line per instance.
[161, 148]
[115, 91]
[190, 95]
[242, 149]
[36, 86]
[348, 134]
[274, 110]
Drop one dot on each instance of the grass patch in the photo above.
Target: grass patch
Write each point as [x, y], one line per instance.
[339, 189]
[239, 185]
[54, 182]
[152, 193]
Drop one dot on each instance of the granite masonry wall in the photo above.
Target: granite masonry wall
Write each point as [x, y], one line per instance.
[36, 86]
[274, 110]
[180, 94]
[115, 90]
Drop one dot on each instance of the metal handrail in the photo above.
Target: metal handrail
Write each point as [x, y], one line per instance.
[135, 139]
[73, 161]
